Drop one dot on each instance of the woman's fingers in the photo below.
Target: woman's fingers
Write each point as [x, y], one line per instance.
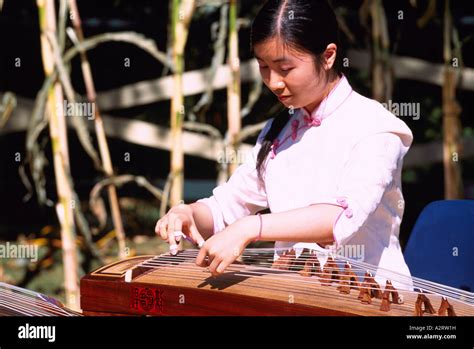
[170, 229]
[161, 227]
[196, 236]
[213, 266]
[157, 226]
[222, 267]
[216, 265]
[175, 226]
[201, 257]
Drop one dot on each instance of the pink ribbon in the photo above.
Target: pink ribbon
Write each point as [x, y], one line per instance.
[274, 147]
[316, 121]
[294, 128]
[347, 211]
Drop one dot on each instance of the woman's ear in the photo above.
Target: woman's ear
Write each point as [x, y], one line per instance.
[330, 56]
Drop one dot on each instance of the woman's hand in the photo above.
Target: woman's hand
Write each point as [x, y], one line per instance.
[226, 246]
[179, 220]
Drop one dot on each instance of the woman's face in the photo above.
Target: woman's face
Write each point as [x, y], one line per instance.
[292, 76]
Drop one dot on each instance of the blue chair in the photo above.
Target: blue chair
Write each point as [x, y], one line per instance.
[441, 245]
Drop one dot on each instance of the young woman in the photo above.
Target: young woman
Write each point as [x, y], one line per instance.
[329, 168]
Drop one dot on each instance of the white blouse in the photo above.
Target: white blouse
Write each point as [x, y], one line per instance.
[348, 152]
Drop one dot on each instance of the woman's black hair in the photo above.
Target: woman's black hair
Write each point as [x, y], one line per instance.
[305, 26]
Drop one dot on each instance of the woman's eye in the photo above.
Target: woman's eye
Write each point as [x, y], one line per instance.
[286, 69]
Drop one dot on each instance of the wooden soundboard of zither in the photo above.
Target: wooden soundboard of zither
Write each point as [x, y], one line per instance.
[192, 290]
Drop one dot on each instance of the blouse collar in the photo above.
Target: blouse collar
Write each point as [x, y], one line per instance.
[330, 104]
[338, 95]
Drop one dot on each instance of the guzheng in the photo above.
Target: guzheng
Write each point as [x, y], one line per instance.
[17, 301]
[294, 284]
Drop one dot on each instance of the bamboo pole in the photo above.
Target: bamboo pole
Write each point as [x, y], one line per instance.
[233, 88]
[100, 132]
[177, 109]
[381, 70]
[58, 134]
[182, 11]
[452, 146]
